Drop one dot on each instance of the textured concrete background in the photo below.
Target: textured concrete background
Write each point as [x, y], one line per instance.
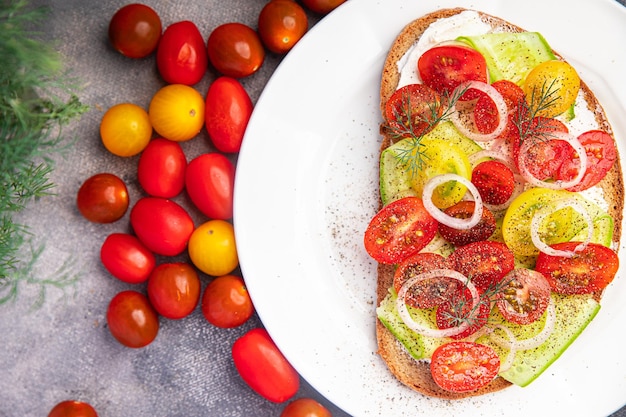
[64, 350]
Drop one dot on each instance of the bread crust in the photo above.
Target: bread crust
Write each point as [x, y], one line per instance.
[416, 374]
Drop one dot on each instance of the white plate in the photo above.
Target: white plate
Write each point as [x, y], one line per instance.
[306, 189]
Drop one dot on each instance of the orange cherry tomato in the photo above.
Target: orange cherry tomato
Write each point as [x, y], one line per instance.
[103, 198]
[235, 50]
[72, 408]
[226, 302]
[281, 25]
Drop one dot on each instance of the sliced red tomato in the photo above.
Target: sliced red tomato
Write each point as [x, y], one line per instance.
[546, 156]
[413, 108]
[485, 111]
[494, 180]
[588, 271]
[464, 210]
[427, 293]
[399, 230]
[601, 155]
[524, 296]
[460, 309]
[464, 366]
[485, 262]
[443, 68]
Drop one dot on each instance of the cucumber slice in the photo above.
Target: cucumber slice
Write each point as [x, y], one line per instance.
[511, 56]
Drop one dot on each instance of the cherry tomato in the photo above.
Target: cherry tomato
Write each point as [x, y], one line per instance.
[135, 30]
[126, 258]
[464, 366]
[132, 320]
[227, 112]
[181, 54]
[162, 225]
[305, 407]
[210, 181]
[125, 129]
[174, 289]
[443, 68]
[235, 50]
[263, 367]
[485, 262]
[524, 297]
[103, 198]
[459, 309]
[161, 168]
[71, 408]
[399, 230]
[281, 25]
[485, 110]
[177, 112]
[464, 210]
[551, 87]
[588, 271]
[413, 108]
[601, 155]
[226, 302]
[426, 293]
[494, 180]
[212, 248]
[545, 157]
[322, 6]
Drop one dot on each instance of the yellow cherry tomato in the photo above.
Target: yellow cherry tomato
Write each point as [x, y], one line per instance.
[177, 112]
[125, 129]
[212, 248]
[551, 88]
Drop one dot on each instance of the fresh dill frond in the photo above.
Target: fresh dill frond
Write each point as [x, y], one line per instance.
[37, 98]
[527, 119]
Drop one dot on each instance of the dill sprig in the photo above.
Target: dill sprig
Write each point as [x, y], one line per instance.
[36, 100]
[527, 120]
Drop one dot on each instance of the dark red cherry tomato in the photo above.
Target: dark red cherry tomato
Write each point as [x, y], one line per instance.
[103, 198]
[263, 367]
[413, 108]
[210, 181]
[181, 54]
[132, 320]
[161, 168]
[322, 6]
[226, 302]
[524, 296]
[464, 366]
[485, 262]
[162, 225]
[235, 50]
[459, 309]
[135, 30]
[281, 25]
[305, 407]
[174, 289]
[464, 210]
[126, 258]
[227, 112]
[494, 180]
[71, 408]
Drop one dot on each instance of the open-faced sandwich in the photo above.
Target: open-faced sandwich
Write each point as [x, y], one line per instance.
[501, 200]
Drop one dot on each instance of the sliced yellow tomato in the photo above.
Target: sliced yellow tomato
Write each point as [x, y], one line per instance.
[551, 88]
[177, 112]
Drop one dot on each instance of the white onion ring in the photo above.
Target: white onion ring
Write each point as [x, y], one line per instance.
[534, 341]
[541, 214]
[428, 331]
[501, 107]
[510, 357]
[443, 218]
[556, 185]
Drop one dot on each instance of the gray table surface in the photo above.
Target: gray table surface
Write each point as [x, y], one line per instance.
[63, 349]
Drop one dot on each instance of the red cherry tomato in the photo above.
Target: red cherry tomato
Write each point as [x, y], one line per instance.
[235, 50]
[227, 112]
[459, 309]
[545, 156]
[399, 230]
[135, 30]
[132, 320]
[524, 296]
[486, 112]
[305, 407]
[281, 25]
[464, 366]
[486, 262]
[210, 180]
[464, 210]
[588, 271]
[181, 54]
[226, 302]
[263, 367]
[494, 180]
[322, 6]
[161, 168]
[103, 198]
[126, 258]
[174, 289]
[71, 408]
[162, 225]
[418, 102]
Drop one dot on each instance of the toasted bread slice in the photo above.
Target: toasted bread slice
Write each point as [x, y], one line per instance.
[416, 374]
